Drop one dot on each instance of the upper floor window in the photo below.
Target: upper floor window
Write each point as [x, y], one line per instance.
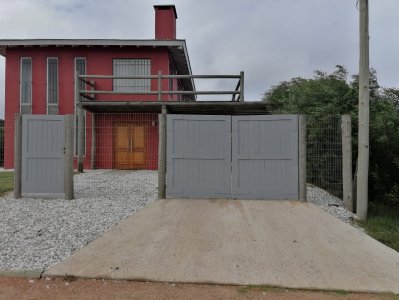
[52, 81]
[80, 69]
[132, 67]
[26, 81]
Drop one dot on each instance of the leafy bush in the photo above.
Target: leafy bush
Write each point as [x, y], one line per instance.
[331, 94]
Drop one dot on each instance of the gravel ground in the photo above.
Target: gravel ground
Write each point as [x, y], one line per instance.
[330, 204]
[37, 233]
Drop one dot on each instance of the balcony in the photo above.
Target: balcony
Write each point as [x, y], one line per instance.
[98, 95]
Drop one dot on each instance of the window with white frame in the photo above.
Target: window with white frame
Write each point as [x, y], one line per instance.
[52, 81]
[26, 81]
[132, 67]
[80, 68]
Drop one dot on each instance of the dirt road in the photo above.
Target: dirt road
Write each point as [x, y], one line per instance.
[21, 289]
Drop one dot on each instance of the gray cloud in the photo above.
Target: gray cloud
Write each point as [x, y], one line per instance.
[270, 40]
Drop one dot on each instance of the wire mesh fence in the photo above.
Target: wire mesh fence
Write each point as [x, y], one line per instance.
[129, 141]
[324, 158]
[1, 143]
[6, 145]
[119, 141]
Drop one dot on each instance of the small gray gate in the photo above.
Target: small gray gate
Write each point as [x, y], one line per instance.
[43, 158]
[244, 157]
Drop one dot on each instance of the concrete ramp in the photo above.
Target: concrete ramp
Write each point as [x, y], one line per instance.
[279, 243]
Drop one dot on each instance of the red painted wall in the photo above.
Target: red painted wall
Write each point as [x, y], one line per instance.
[98, 61]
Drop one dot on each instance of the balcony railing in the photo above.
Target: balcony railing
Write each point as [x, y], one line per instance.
[90, 94]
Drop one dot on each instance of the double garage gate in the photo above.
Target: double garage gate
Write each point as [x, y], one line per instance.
[244, 157]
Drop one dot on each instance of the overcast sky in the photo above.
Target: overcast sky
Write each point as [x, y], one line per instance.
[271, 40]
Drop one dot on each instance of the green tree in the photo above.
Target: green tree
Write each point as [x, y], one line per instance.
[325, 95]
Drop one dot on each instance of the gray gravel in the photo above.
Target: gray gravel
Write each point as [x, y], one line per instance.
[330, 204]
[37, 233]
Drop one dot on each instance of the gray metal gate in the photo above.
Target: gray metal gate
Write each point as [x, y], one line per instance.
[198, 156]
[43, 158]
[265, 157]
[244, 157]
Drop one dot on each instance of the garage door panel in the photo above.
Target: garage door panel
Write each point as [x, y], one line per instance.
[198, 156]
[252, 175]
[265, 157]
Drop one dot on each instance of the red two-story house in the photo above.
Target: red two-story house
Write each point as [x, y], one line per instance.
[41, 78]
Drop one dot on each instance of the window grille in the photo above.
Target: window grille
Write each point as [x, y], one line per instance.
[132, 67]
[26, 81]
[52, 81]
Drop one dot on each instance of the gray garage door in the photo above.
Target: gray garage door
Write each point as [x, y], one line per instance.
[43, 161]
[244, 157]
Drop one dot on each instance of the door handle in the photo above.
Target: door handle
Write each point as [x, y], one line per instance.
[131, 144]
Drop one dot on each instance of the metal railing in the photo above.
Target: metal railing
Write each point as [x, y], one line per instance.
[90, 94]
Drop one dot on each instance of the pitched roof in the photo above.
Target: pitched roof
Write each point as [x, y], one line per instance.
[177, 49]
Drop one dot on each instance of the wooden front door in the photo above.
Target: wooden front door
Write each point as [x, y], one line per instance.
[129, 146]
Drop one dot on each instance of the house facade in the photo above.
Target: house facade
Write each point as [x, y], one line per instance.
[41, 78]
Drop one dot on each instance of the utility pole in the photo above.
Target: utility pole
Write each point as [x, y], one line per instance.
[364, 96]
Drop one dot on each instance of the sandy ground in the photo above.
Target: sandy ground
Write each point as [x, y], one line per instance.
[16, 288]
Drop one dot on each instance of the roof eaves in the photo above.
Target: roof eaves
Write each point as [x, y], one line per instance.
[89, 42]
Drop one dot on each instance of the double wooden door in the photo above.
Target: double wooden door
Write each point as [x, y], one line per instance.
[129, 146]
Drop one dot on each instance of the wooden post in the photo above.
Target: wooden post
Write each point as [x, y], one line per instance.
[346, 130]
[159, 85]
[93, 141]
[81, 133]
[68, 183]
[162, 154]
[242, 86]
[302, 157]
[364, 96]
[81, 127]
[17, 156]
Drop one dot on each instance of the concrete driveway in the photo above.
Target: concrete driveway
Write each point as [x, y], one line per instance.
[279, 243]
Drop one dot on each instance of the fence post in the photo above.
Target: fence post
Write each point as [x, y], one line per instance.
[242, 86]
[162, 154]
[81, 129]
[93, 141]
[346, 130]
[17, 156]
[68, 184]
[302, 157]
[159, 85]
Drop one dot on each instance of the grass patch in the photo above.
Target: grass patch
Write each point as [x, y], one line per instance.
[6, 182]
[384, 228]
[383, 225]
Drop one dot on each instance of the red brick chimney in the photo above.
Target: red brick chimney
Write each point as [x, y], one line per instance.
[165, 22]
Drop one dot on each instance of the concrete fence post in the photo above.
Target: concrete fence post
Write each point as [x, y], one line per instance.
[17, 156]
[162, 154]
[346, 130]
[68, 183]
[302, 157]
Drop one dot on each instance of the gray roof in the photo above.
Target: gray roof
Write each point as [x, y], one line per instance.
[197, 107]
[177, 49]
